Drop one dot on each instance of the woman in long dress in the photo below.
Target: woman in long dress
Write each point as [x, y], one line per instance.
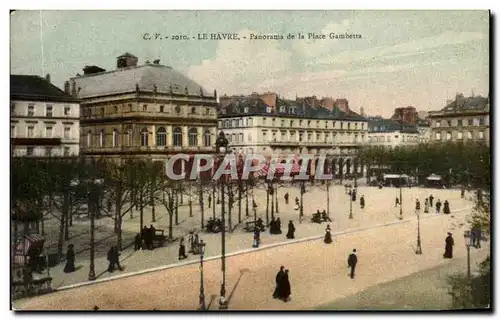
[70, 260]
[291, 230]
[286, 289]
[448, 249]
[328, 235]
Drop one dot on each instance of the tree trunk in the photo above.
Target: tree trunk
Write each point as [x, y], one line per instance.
[200, 196]
[213, 200]
[267, 207]
[119, 239]
[182, 198]
[177, 208]
[276, 198]
[64, 214]
[272, 203]
[230, 208]
[132, 200]
[239, 203]
[153, 209]
[246, 201]
[141, 212]
[66, 227]
[170, 218]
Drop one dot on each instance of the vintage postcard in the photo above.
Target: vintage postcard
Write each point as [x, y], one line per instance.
[250, 160]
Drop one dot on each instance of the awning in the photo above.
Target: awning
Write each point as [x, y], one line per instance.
[31, 246]
[279, 169]
[395, 176]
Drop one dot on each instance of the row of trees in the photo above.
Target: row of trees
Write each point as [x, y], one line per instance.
[458, 163]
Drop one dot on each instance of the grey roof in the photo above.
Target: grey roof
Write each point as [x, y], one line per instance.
[469, 103]
[165, 78]
[376, 124]
[26, 87]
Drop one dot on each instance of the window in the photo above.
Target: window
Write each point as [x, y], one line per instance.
[482, 121]
[48, 132]
[144, 137]
[283, 135]
[129, 107]
[29, 151]
[300, 123]
[362, 126]
[301, 136]
[12, 131]
[67, 110]
[438, 135]
[246, 110]
[459, 122]
[241, 137]
[309, 136]
[469, 135]
[67, 132]
[235, 123]
[481, 134]
[207, 111]
[115, 138]
[193, 110]
[207, 138]
[48, 151]
[101, 138]
[227, 123]
[193, 137]
[128, 137]
[264, 136]
[116, 109]
[177, 137]
[144, 107]
[48, 110]
[470, 122]
[356, 126]
[291, 123]
[178, 108]
[341, 125]
[102, 112]
[460, 135]
[31, 110]
[317, 124]
[388, 138]
[326, 124]
[264, 121]
[249, 137]
[162, 108]
[309, 123]
[31, 131]
[89, 138]
[318, 136]
[438, 123]
[282, 123]
[66, 151]
[161, 137]
[448, 135]
[249, 122]
[348, 126]
[396, 137]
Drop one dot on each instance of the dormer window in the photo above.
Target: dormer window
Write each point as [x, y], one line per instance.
[268, 109]
[193, 110]
[178, 108]
[246, 109]
[283, 109]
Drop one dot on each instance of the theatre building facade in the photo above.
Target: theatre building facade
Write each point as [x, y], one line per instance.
[148, 111]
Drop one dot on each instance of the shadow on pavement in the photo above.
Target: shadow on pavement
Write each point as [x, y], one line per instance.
[242, 271]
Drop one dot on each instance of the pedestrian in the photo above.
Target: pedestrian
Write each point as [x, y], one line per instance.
[438, 206]
[272, 226]
[448, 249]
[182, 249]
[279, 280]
[354, 192]
[325, 216]
[328, 235]
[286, 197]
[151, 236]
[114, 259]
[417, 205]
[476, 237]
[426, 205]
[190, 241]
[286, 289]
[70, 260]
[278, 226]
[209, 201]
[138, 242]
[195, 244]
[351, 262]
[397, 202]
[362, 202]
[256, 238]
[462, 193]
[431, 200]
[446, 207]
[144, 235]
[291, 231]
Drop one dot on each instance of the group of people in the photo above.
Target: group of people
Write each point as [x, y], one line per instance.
[144, 240]
[275, 226]
[283, 289]
[193, 243]
[320, 217]
[214, 225]
[429, 203]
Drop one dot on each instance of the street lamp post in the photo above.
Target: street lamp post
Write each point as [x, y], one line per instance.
[419, 243]
[400, 198]
[222, 149]
[302, 190]
[467, 237]
[350, 204]
[94, 196]
[202, 290]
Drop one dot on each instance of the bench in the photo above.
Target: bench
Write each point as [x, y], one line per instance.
[159, 238]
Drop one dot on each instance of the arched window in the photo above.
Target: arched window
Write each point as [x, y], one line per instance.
[144, 137]
[101, 138]
[128, 136]
[115, 138]
[207, 139]
[161, 137]
[89, 138]
[193, 137]
[177, 137]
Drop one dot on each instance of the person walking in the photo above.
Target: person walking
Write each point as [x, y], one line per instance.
[114, 259]
[70, 260]
[328, 235]
[448, 249]
[209, 201]
[397, 202]
[256, 238]
[138, 242]
[417, 205]
[286, 289]
[431, 200]
[182, 250]
[362, 202]
[291, 231]
[352, 261]
[438, 206]
[446, 207]
[287, 196]
[279, 281]
[426, 205]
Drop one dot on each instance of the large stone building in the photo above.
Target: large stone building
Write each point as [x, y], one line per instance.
[145, 111]
[44, 120]
[463, 119]
[269, 125]
[392, 133]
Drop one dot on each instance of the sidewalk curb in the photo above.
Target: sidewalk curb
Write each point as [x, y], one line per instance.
[244, 251]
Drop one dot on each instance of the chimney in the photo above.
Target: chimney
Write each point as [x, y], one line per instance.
[47, 77]
[66, 87]
[126, 60]
[157, 61]
[73, 89]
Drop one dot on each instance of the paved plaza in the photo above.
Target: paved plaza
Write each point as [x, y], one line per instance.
[318, 272]
[379, 210]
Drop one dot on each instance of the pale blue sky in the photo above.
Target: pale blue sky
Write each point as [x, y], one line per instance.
[418, 58]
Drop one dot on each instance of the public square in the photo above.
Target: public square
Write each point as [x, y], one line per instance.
[385, 245]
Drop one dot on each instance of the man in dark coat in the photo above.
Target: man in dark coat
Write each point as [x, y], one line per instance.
[431, 200]
[362, 202]
[114, 259]
[351, 262]
[209, 201]
[144, 235]
[272, 226]
[446, 207]
[285, 290]
[287, 196]
[438, 206]
[182, 250]
[328, 235]
[448, 249]
[138, 242]
[70, 260]
[151, 236]
[354, 195]
[279, 278]
[417, 205]
[397, 202]
[278, 226]
[291, 230]
[256, 238]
